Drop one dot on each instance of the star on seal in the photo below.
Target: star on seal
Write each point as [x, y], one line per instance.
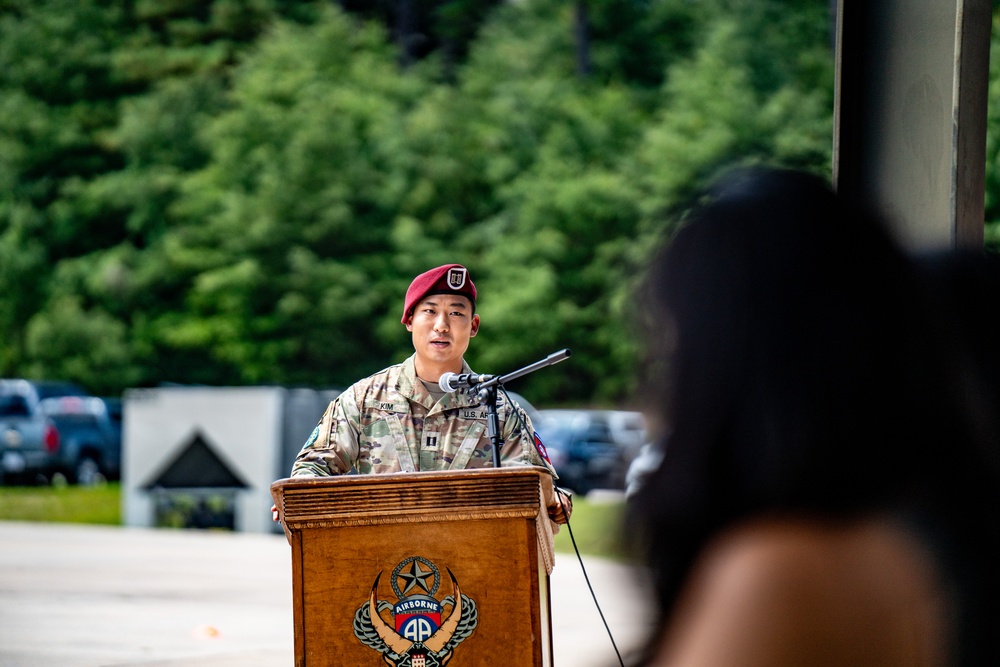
[416, 576]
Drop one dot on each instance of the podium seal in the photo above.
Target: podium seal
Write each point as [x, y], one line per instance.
[419, 630]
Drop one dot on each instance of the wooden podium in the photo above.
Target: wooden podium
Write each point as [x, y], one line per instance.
[420, 569]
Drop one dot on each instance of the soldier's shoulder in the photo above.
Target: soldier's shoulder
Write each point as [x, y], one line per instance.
[507, 402]
[510, 408]
[377, 380]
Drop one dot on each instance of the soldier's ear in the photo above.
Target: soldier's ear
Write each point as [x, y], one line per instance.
[475, 325]
[409, 323]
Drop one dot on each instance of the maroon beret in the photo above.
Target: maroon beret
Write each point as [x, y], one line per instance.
[447, 279]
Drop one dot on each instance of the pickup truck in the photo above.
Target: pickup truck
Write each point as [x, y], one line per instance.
[29, 439]
[89, 437]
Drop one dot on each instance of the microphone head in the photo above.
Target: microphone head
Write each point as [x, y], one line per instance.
[445, 382]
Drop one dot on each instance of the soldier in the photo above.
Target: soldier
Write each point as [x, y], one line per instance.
[399, 419]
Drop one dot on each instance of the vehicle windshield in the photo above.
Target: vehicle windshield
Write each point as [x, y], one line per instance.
[558, 436]
[50, 389]
[14, 405]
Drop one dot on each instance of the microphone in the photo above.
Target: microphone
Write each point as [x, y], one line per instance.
[453, 381]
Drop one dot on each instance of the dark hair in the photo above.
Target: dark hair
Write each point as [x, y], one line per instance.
[807, 376]
[967, 283]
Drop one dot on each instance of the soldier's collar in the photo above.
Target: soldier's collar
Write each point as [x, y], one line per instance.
[411, 388]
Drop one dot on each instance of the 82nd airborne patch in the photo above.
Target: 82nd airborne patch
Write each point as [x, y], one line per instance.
[422, 631]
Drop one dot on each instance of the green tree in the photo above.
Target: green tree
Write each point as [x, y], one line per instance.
[80, 171]
[71, 342]
[239, 191]
[56, 92]
[992, 231]
[285, 229]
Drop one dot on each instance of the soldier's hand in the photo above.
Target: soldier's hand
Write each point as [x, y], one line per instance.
[274, 512]
[562, 509]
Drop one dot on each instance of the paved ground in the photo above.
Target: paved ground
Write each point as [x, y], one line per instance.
[82, 596]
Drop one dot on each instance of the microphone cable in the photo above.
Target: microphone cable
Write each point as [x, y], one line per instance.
[576, 549]
[586, 578]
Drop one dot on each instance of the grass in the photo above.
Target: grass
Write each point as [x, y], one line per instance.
[596, 526]
[62, 504]
[595, 523]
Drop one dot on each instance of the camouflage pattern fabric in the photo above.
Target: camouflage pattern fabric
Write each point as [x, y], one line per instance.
[389, 422]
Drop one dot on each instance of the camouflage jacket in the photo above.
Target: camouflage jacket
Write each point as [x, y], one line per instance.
[389, 422]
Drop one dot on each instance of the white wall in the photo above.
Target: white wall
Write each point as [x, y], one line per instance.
[243, 426]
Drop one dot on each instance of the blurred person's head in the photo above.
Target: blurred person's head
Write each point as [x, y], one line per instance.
[967, 284]
[800, 370]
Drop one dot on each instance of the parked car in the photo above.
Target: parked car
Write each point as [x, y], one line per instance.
[582, 453]
[29, 440]
[90, 437]
[591, 448]
[629, 431]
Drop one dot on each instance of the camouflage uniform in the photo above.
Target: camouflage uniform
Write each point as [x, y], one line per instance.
[390, 423]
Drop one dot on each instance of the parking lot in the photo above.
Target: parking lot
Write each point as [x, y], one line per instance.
[89, 596]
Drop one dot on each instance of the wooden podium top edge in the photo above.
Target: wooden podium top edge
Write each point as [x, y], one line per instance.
[409, 478]
[399, 497]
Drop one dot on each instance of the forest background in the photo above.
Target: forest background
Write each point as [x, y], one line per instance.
[235, 192]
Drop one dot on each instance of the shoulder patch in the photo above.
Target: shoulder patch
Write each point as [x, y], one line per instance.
[544, 453]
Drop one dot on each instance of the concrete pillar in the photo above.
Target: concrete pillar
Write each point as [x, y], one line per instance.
[910, 115]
